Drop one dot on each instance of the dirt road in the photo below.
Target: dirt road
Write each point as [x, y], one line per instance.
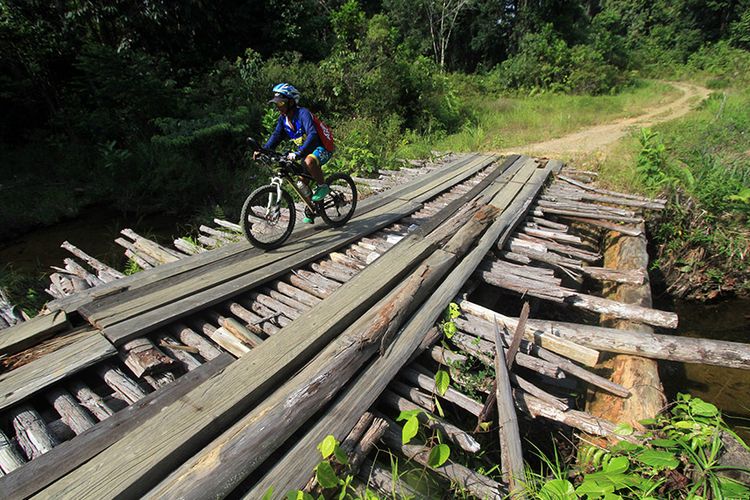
[600, 136]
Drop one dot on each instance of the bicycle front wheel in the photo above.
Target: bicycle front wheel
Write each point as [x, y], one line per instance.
[268, 219]
[338, 205]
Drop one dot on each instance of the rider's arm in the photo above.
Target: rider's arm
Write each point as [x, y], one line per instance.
[312, 141]
[276, 136]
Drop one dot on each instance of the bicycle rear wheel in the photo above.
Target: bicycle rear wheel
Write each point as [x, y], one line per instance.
[267, 219]
[338, 206]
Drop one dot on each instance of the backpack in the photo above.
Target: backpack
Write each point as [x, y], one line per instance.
[325, 133]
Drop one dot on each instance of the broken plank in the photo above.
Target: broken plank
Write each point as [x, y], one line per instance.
[28, 333]
[82, 350]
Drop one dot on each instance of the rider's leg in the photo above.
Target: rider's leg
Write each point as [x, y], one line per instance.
[314, 163]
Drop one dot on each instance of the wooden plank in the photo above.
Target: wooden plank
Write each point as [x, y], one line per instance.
[28, 333]
[133, 464]
[291, 471]
[175, 272]
[32, 477]
[333, 239]
[84, 349]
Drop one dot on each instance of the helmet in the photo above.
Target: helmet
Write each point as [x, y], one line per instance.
[285, 90]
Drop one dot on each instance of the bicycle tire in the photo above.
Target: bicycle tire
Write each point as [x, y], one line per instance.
[343, 195]
[262, 211]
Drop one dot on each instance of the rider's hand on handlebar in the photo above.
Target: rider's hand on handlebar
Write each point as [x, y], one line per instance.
[256, 154]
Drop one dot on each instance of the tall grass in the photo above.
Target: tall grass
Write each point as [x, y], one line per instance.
[502, 122]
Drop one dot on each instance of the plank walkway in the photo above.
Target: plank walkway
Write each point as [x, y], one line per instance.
[183, 361]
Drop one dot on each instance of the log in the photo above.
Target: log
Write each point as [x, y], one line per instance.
[178, 351]
[478, 485]
[105, 272]
[159, 253]
[32, 434]
[70, 412]
[229, 225]
[413, 394]
[143, 357]
[90, 400]
[75, 268]
[426, 381]
[10, 458]
[362, 447]
[640, 375]
[510, 438]
[627, 230]
[459, 437]
[120, 383]
[64, 458]
[564, 347]
[610, 193]
[385, 482]
[206, 348]
[188, 247]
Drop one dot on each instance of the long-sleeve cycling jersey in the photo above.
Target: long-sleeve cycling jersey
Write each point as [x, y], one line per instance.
[302, 132]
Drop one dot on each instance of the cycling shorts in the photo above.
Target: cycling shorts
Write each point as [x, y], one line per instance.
[321, 155]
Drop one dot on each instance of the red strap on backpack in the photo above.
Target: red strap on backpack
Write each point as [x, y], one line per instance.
[325, 133]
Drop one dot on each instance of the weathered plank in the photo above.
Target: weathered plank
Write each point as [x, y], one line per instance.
[83, 349]
[133, 464]
[291, 470]
[28, 333]
[265, 269]
[32, 477]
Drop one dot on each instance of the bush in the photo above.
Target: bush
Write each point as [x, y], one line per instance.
[589, 72]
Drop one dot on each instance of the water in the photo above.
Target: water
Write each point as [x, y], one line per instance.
[93, 231]
[727, 388]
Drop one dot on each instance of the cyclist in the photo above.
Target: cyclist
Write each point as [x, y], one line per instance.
[298, 124]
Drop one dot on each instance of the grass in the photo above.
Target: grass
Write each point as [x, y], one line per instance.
[512, 121]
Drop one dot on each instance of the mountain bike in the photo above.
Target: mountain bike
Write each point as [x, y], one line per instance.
[269, 213]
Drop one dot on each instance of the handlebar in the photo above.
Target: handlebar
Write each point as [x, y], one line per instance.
[271, 156]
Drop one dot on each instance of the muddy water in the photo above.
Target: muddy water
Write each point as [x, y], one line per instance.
[728, 389]
[93, 231]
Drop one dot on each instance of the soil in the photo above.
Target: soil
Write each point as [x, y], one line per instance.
[600, 137]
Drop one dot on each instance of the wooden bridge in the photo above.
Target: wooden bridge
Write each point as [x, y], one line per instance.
[218, 373]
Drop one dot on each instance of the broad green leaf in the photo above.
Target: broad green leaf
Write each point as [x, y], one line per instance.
[298, 495]
[449, 329]
[558, 489]
[623, 429]
[485, 426]
[326, 476]
[327, 446]
[703, 409]
[407, 414]
[410, 430]
[268, 495]
[683, 424]
[442, 381]
[340, 455]
[612, 496]
[625, 446]
[617, 465]
[594, 489]
[658, 459]
[664, 443]
[647, 421]
[438, 455]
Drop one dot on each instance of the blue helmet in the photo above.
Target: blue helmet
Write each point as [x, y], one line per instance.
[285, 90]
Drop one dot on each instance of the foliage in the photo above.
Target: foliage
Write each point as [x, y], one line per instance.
[677, 457]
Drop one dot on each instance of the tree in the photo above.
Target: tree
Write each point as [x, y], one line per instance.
[442, 16]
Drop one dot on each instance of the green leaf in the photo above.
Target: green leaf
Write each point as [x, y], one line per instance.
[485, 426]
[558, 489]
[442, 381]
[664, 443]
[268, 495]
[623, 429]
[449, 329]
[326, 476]
[625, 447]
[594, 489]
[410, 430]
[438, 455]
[703, 409]
[617, 465]
[340, 455]
[327, 446]
[647, 421]
[658, 459]
[733, 489]
[407, 414]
